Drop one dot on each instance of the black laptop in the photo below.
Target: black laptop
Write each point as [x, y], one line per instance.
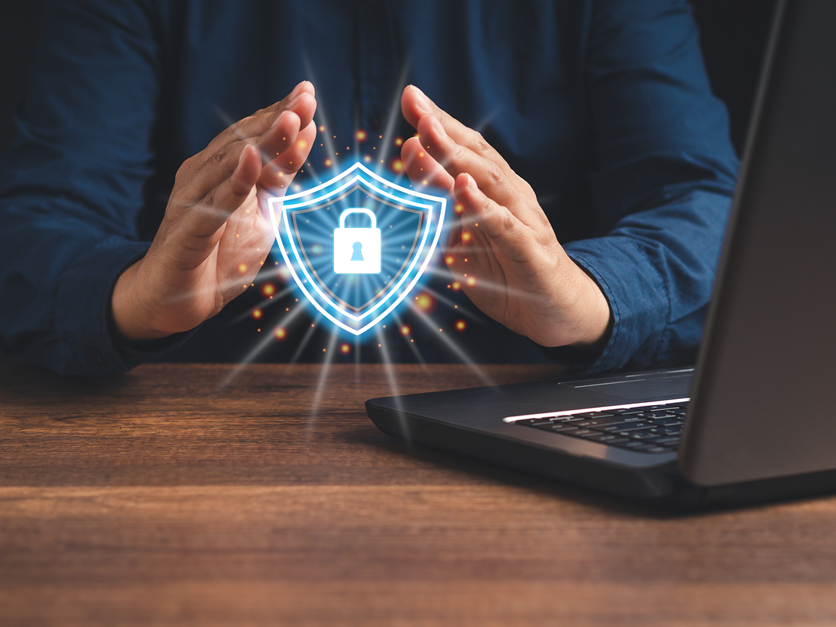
[756, 418]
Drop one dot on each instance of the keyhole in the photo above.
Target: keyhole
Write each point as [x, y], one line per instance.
[357, 254]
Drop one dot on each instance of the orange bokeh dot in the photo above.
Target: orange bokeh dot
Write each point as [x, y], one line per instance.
[424, 301]
[405, 330]
[456, 286]
[461, 325]
[268, 289]
[471, 281]
[242, 268]
[449, 260]
[345, 349]
[280, 333]
[399, 141]
[465, 236]
[321, 128]
[257, 314]
[360, 135]
[328, 163]
[397, 166]
[458, 208]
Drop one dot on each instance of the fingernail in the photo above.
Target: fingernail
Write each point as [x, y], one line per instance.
[297, 89]
[276, 120]
[421, 99]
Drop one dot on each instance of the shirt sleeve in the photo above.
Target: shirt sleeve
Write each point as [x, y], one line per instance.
[662, 184]
[72, 183]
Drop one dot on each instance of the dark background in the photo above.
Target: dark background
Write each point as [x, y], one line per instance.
[733, 37]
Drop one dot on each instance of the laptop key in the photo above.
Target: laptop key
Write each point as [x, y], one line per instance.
[561, 427]
[607, 438]
[635, 445]
[593, 414]
[607, 420]
[669, 441]
[641, 434]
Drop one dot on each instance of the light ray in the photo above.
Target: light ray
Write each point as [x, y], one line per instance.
[259, 348]
[394, 115]
[328, 139]
[412, 346]
[393, 388]
[267, 302]
[451, 345]
[323, 375]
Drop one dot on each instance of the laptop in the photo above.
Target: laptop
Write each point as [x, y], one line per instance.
[755, 419]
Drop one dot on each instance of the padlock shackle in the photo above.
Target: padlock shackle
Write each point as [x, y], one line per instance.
[351, 210]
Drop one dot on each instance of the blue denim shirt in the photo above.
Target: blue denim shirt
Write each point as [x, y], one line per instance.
[603, 106]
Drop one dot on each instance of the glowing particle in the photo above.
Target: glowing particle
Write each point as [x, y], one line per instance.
[461, 325]
[324, 349]
[456, 286]
[360, 135]
[257, 314]
[302, 144]
[449, 260]
[424, 301]
[421, 154]
[458, 208]
[280, 333]
[345, 349]
[471, 281]
[399, 141]
[405, 330]
[367, 158]
[268, 289]
[465, 236]
[328, 163]
[397, 166]
[475, 224]
[242, 268]
[321, 128]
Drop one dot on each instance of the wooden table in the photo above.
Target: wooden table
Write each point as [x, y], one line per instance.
[161, 498]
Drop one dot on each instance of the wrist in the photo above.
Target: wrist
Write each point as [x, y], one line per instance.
[130, 318]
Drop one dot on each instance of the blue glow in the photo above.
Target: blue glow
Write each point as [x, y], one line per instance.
[304, 223]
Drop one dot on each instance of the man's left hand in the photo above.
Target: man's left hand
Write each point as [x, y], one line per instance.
[503, 251]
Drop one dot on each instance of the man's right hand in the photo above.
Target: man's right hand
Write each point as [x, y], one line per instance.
[216, 232]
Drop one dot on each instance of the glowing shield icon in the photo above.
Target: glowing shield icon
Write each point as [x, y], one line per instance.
[356, 245]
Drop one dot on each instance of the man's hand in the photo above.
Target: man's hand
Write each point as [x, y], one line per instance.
[216, 232]
[504, 251]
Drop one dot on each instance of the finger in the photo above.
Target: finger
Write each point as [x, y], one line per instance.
[415, 104]
[422, 169]
[511, 236]
[457, 159]
[225, 159]
[299, 101]
[277, 175]
[203, 220]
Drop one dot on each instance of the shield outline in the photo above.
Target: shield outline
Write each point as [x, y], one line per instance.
[308, 198]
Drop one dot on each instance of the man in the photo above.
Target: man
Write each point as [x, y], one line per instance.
[593, 202]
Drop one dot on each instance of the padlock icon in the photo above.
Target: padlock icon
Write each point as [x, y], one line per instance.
[357, 250]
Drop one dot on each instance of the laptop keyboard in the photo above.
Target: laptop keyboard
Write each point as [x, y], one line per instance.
[650, 429]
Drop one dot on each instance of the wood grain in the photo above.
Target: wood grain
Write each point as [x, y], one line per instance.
[163, 497]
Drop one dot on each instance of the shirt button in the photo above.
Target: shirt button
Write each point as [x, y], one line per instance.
[378, 121]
